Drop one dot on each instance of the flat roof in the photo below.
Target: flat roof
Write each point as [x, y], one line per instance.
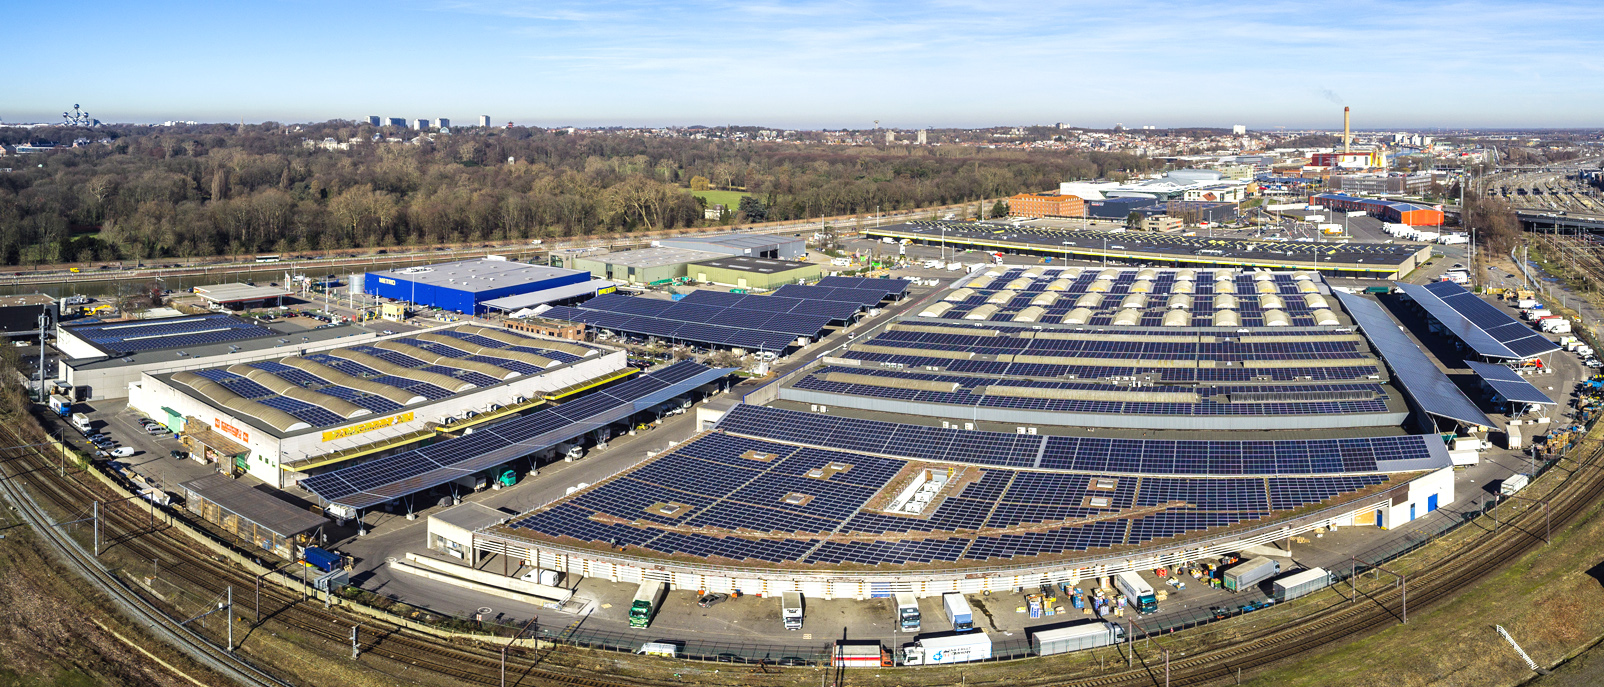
[543, 296]
[280, 335]
[1147, 245]
[654, 257]
[268, 512]
[239, 293]
[477, 275]
[470, 516]
[1486, 328]
[26, 299]
[741, 241]
[743, 263]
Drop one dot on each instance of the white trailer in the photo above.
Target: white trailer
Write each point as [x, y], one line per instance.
[1298, 584]
[963, 648]
[791, 610]
[1088, 634]
[958, 612]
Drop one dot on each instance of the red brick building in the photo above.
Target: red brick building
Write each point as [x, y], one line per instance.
[1045, 205]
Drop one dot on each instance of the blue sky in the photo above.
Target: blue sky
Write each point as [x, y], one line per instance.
[812, 64]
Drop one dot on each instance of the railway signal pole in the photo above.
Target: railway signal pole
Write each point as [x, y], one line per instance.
[509, 644]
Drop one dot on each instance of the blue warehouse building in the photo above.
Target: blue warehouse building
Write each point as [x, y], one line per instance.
[464, 286]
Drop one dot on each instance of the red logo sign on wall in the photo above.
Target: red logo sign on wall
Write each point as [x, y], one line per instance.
[231, 430]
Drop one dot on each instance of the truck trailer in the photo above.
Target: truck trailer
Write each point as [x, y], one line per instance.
[860, 654]
[791, 610]
[958, 612]
[958, 648]
[1298, 584]
[60, 405]
[1086, 634]
[81, 421]
[647, 600]
[1245, 575]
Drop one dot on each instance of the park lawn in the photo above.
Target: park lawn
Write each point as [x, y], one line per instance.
[729, 199]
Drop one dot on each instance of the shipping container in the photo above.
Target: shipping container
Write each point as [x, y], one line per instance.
[1245, 575]
[1298, 584]
[1087, 634]
[860, 654]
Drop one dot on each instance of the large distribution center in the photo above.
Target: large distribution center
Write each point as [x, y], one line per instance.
[1033, 425]
[271, 414]
[464, 286]
[1358, 260]
[103, 358]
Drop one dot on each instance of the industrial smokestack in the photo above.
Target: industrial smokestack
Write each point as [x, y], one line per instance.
[1347, 136]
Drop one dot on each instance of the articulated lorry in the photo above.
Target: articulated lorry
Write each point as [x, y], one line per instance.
[1137, 592]
[960, 648]
[647, 600]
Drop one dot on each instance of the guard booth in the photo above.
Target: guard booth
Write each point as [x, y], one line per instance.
[211, 447]
[269, 523]
[451, 530]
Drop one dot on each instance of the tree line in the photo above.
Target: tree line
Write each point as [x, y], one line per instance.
[147, 193]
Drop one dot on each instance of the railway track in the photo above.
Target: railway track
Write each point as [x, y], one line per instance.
[1479, 559]
[127, 525]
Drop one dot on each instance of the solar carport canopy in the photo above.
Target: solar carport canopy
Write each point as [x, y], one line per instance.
[391, 477]
[1508, 384]
[1486, 328]
[1416, 373]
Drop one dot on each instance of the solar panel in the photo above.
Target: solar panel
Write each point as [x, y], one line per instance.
[709, 334]
[1417, 374]
[380, 480]
[1486, 328]
[1088, 454]
[1511, 386]
[867, 298]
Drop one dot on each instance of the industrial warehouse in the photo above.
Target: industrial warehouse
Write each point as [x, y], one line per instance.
[1033, 425]
[272, 417]
[1353, 260]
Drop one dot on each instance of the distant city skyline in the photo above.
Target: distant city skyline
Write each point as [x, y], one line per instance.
[819, 64]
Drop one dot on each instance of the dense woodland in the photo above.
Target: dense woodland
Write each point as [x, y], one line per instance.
[149, 193]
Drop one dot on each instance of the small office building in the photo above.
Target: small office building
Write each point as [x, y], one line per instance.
[659, 265]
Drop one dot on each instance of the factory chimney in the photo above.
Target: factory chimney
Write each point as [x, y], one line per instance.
[1347, 136]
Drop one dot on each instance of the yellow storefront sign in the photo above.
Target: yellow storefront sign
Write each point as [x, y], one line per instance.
[606, 290]
[383, 280]
[368, 426]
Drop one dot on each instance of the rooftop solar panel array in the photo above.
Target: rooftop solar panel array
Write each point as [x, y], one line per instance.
[1486, 328]
[835, 310]
[894, 288]
[356, 369]
[173, 332]
[391, 477]
[795, 324]
[1417, 374]
[708, 334]
[1086, 454]
[1214, 401]
[692, 500]
[864, 297]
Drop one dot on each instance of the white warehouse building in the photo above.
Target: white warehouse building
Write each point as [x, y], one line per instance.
[265, 414]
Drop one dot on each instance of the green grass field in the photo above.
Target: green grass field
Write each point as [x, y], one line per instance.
[729, 199]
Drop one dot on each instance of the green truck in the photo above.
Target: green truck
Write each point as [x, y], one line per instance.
[647, 600]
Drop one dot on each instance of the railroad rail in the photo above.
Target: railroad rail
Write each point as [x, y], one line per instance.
[129, 526]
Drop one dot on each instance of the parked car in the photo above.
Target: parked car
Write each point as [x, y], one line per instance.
[180, 455]
[710, 600]
[122, 451]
